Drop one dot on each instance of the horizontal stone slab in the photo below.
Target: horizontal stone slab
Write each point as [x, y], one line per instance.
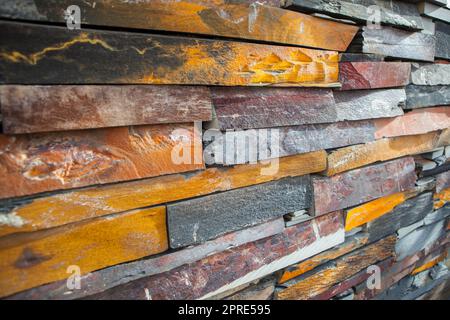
[361, 185]
[48, 211]
[36, 163]
[396, 43]
[28, 109]
[430, 74]
[252, 20]
[373, 75]
[254, 108]
[349, 245]
[417, 121]
[98, 281]
[237, 266]
[246, 146]
[397, 13]
[247, 108]
[369, 104]
[360, 215]
[442, 35]
[434, 11]
[427, 96]
[356, 156]
[318, 281]
[201, 219]
[404, 214]
[359, 57]
[38, 258]
[72, 57]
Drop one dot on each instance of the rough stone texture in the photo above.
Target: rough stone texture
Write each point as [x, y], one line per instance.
[317, 282]
[427, 96]
[359, 57]
[28, 109]
[442, 181]
[243, 146]
[98, 281]
[53, 210]
[361, 185]
[350, 244]
[34, 259]
[430, 74]
[368, 104]
[437, 215]
[380, 150]
[419, 239]
[373, 75]
[442, 40]
[396, 13]
[35, 163]
[398, 43]
[246, 108]
[404, 214]
[234, 267]
[30, 56]
[434, 11]
[197, 220]
[235, 19]
[414, 122]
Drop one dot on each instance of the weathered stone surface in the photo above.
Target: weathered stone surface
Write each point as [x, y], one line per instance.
[368, 104]
[441, 198]
[442, 40]
[198, 220]
[404, 214]
[380, 150]
[373, 75]
[317, 282]
[349, 245]
[359, 57]
[28, 109]
[419, 239]
[263, 290]
[35, 163]
[374, 209]
[427, 96]
[437, 215]
[434, 11]
[361, 185]
[251, 145]
[24, 215]
[442, 181]
[391, 13]
[247, 108]
[220, 18]
[414, 122]
[234, 267]
[430, 74]
[30, 56]
[98, 281]
[37, 258]
[397, 43]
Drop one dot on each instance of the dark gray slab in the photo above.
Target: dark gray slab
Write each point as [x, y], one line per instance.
[442, 35]
[407, 213]
[426, 96]
[198, 220]
[396, 13]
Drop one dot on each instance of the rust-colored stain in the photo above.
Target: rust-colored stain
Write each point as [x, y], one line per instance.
[35, 163]
[68, 207]
[441, 198]
[153, 59]
[429, 264]
[30, 260]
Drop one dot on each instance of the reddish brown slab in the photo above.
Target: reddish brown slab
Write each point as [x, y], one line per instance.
[27, 109]
[246, 108]
[442, 181]
[372, 75]
[361, 185]
[234, 267]
[414, 122]
[36, 163]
